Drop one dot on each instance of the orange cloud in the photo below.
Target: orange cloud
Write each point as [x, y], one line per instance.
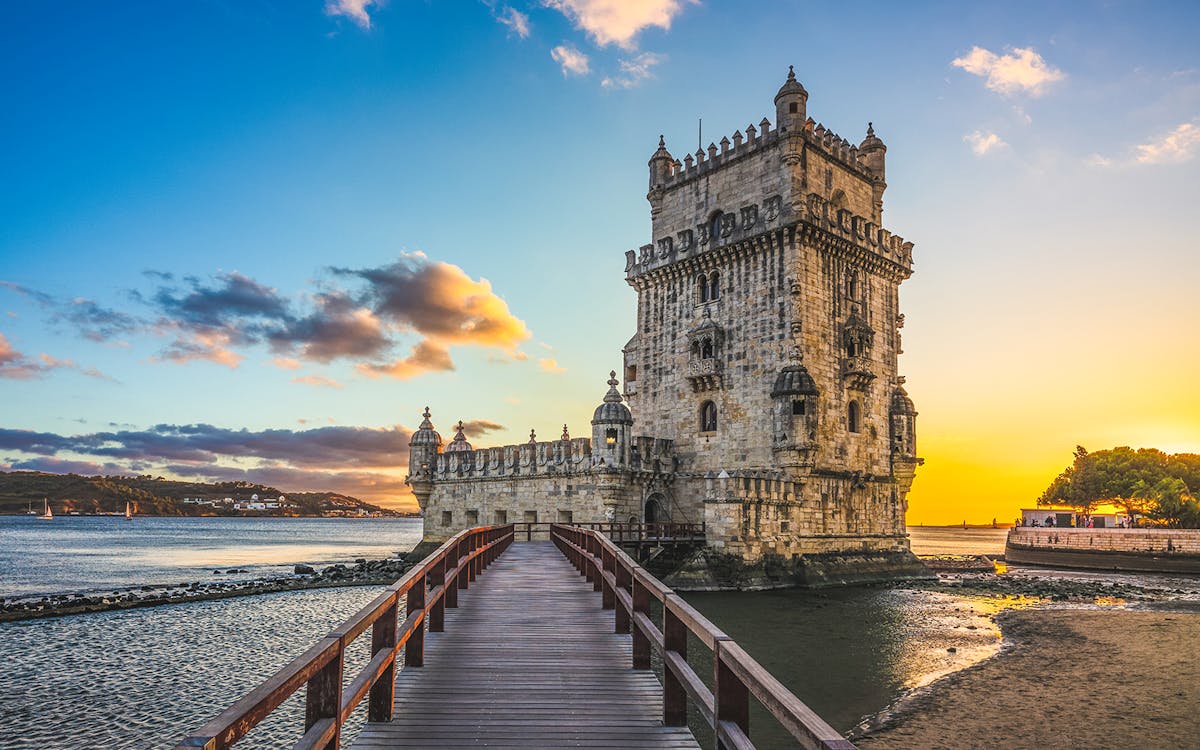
[427, 356]
[317, 381]
[549, 364]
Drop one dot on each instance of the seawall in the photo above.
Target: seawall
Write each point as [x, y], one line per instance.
[1141, 550]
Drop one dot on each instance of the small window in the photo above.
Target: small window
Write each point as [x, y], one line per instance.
[472, 518]
[785, 526]
[708, 417]
[714, 224]
[714, 287]
[853, 417]
[793, 108]
[630, 373]
[610, 437]
[798, 407]
[566, 516]
[702, 288]
[852, 284]
[447, 517]
[531, 516]
[500, 517]
[706, 349]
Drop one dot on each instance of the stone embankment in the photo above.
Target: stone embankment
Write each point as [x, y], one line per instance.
[361, 573]
[1142, 550]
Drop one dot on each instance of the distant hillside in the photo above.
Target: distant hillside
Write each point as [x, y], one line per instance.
[156, 496]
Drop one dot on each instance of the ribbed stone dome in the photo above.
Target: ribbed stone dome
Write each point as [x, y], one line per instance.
[901, 403]
[459, 443]
[791, 86]
[425, 434]
[612, 411]
[794, 380]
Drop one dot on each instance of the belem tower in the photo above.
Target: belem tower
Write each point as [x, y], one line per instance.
[761, 393]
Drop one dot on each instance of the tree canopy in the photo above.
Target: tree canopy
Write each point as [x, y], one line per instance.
[1144, 482]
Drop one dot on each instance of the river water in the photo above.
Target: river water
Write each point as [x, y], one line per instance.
[145, 678]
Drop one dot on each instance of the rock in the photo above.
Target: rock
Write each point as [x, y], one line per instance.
[361, 561]
[952, 650]
[304, 569]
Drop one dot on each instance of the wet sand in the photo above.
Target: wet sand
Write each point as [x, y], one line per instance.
[1068, 678]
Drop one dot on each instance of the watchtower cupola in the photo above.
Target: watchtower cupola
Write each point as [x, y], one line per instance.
[791, 104]
[612, 428]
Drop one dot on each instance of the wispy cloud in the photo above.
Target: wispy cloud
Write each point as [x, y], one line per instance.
[1021, 70]
[617, 21]
[355, 10]
[317, 381]
[983, 143]
[549, 364]
[573, 61]
[17, 366]
[516, 21]
[633, 71]
[1179, 145]
[427, 356]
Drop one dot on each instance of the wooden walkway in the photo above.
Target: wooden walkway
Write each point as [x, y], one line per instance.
[527, 660]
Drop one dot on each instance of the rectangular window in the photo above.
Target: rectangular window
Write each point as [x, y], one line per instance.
[566, 516]
[472, 518]
[798, 407]
[631, 373]
[785, 526]
[531, 516]
[501, 517]
[447, 518]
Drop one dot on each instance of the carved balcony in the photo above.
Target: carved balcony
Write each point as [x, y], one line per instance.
[705, 374]
[856, 371]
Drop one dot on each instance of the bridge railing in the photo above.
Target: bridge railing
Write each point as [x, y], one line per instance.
[428, 589]
[622, 533]
[627, 589]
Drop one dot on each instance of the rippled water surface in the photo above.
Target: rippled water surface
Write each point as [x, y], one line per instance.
[145, 678]
[80, 554]
[954, 540]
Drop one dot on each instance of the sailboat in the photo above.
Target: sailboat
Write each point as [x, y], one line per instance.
[29, 511]
[128, 512]
[49, 514]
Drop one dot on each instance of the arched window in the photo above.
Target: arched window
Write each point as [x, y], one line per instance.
[853, 417]
[852, 284]
[702, 288]
[714, 287]
[695, 350]
[714, 225]
[708, 417]
[706, 351]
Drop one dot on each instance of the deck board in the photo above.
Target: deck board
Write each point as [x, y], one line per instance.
[527, 660]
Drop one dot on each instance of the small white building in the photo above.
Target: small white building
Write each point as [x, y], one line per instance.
[1071, 518]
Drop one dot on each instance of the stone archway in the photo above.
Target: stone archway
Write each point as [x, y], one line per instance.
[656, 509]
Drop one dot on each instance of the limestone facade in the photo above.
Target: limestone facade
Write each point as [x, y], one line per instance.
[763, 369]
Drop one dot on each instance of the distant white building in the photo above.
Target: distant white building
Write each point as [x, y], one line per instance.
[1070, 517]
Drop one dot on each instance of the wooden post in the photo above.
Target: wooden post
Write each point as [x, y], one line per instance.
[608, 595]
[323, 697]
[383, 638]
[641, 643]
[464, 575]
[624, 580]
[601, 565]
[437, 613]
[414, 650]
[675, 638]
[732, 697]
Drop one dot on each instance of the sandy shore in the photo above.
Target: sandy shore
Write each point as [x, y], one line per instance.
[1068, 678]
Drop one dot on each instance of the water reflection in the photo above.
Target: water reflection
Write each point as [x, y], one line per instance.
[849, 653]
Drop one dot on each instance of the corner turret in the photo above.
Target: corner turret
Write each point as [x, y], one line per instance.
[423, 450]
[661, 164]
[871, 153]
[612, 428]
[791, 104]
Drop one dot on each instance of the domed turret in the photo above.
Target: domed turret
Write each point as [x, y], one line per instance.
[425, 434]
[612, 428]
[871, 152]
[903, 418]
[661, 164]
[791, 104]
[459, 443]
[794, 380]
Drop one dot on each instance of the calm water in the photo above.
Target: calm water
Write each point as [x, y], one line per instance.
[953, 540]
[78, 554]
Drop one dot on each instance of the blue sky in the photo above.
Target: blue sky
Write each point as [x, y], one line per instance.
[1041, 156]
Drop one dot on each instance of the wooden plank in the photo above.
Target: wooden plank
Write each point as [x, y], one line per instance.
[527, 660]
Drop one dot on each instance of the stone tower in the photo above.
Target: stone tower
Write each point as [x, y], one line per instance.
[768, 332]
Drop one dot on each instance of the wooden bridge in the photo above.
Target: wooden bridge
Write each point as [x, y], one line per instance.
[540, 644]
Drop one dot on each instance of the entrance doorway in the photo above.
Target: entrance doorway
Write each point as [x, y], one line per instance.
[656, 509]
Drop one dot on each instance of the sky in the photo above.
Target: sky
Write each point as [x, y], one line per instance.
[253, 239]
